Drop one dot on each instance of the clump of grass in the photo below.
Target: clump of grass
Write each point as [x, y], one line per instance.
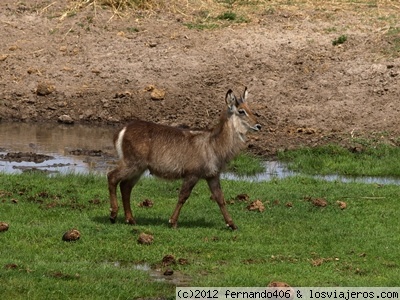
[229, 16]
[340, 40]
[223, 19]
[246, 165]
[393, 38]
[126, 4]
[133, 29]
[330, 29]
[378, 160]
[201, 26]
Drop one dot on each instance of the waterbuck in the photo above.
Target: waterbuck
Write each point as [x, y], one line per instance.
[173, 153]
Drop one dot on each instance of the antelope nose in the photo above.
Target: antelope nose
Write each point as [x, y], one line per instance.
[258, 126]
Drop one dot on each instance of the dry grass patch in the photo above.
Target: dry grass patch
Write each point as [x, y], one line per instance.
[203, 11]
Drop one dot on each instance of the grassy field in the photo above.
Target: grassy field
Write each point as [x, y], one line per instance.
[368, 160]
[292, 240]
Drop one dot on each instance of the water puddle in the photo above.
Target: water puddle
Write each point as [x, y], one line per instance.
[156, 274]
[279, 170]
[58, 148]
[55, 148]
[174, 277]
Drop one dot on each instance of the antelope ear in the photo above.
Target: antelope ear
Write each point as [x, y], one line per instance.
[230, 100]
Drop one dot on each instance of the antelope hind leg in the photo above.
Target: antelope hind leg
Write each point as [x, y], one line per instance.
[113, 181]
[126, 189]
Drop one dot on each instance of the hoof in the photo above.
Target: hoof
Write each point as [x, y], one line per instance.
[173, 225]
[130, 221]
[232, 226]
[112, 220]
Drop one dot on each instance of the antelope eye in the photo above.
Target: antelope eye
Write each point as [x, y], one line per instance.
[242, 112]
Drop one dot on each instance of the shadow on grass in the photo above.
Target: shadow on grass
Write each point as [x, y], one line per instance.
[161, 221]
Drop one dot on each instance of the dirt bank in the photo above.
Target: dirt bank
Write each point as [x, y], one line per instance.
[97, 68]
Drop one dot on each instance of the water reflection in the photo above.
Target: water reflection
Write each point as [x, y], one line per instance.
[63, 142]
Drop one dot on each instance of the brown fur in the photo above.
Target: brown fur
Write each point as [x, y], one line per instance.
[174, 153]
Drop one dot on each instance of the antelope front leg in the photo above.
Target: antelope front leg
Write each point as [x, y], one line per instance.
[218, 196]
[187, 187]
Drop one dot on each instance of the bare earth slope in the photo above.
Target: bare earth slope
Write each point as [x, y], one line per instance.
[99, 68]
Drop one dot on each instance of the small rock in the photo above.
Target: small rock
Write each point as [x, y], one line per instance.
[306, 130]
[168, 272]
[66, 119]
[3, 57]
[145, 239]
[71, 235]
[157, 94]
[44, 88]
[124, 94]
[149, 88]
[4, 226]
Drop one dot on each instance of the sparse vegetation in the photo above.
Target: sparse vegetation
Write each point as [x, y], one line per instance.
[331, 29]
[230, 16]
[393, 38]
[239, 11]
[133, 29]
[340, 40]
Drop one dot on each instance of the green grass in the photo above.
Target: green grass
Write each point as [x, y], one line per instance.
[246, 164]
[207, 21]
[340, 40]
[378, 160]
[358, 246]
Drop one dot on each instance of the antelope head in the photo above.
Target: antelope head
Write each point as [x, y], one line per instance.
[243, 119]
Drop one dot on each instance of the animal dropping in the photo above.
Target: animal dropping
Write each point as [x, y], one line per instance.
[341, 204]
[3, 226]
[319, 202]
[71, 235]
[256, 205]
[176, 153]
[145, 239]
[146, 203]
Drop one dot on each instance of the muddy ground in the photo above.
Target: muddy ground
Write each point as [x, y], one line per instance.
[94, 67]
